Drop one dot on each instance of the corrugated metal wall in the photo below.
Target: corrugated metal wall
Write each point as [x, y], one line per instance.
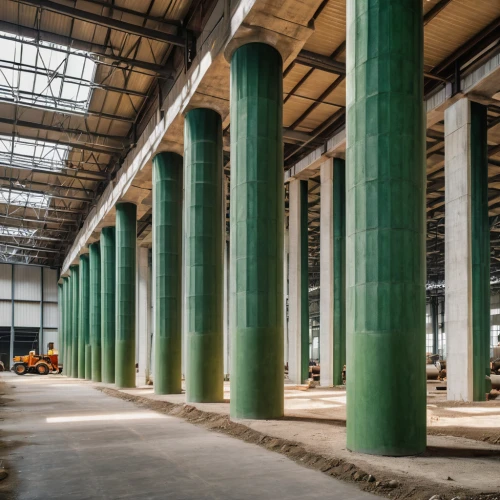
[27, 304]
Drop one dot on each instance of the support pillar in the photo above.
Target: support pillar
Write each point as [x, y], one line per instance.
[167, 249]
[108, 303]
[298, 358]
[143, 311]
[95, 311]
[339, 283]
[204, 256]
[326, 243]
[257, 209]
[126, 240]
[385, 206]
[84, 355]
[60, 330]
[67, 325]
[435, 324]
[467, 252]
[75, 316]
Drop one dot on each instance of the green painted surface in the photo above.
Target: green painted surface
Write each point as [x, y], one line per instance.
[61, 344]
[304, 282]
[67, 325]
[75, 314]
[167, 248]
[339, 283]
[84, 319]
[385, 227]
[108, 303]
[257, 209]
[126, 241]
[95, 310]
[204, 258]
[480, 228]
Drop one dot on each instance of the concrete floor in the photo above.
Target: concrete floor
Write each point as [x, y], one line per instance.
[63, 439]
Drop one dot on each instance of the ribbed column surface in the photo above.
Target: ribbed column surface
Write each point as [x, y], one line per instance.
[480, 238]
[61, 344]
[257, 210]
[167, 249]
[95, 310]
[84, 323]
[304, 282]
[75, 315]
[126, 241]
[108, 303]
[204, 258]
[339, 257]
[385, 227]
[67, 325]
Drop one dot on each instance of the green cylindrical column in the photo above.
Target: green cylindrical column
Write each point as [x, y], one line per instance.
[480, 251]
[204, 258]
[257, 210]
[167, 248]
[61, 344]
[108, 303]
[75, 316]
[385, 227]
[84, 359]
[67, 325]
[126, 241]
[95, 310]
[339, 340]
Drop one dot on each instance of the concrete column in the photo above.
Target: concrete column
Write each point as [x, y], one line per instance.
[64, 327]
[75, 315]
[435, 324]
[227, 344]
[298, 280]
[257, 209]
[385, 206]
[326, 274]
[339, 258]
[467, 251]
[204, 196]
[108, 303]
[142, 315]
[126, 241]
[95, 311]
[167, 248]
[84, 354]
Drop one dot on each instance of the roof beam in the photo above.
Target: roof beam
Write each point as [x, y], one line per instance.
[29, 249]
[93, 48]
[435, 11]
[46, 220]
[108, 22]
[318, 61]
[87, 137]
[51, 194]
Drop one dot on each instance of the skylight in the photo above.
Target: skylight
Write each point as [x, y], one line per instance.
[22, 232]
[24, 199]
[45, 74]
[32, 153]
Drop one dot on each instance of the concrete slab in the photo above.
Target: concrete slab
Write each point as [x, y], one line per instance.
[106, 448]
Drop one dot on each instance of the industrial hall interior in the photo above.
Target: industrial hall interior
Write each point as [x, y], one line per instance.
[249, 249]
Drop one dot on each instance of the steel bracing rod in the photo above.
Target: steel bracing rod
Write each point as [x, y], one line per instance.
[16, 237]
[435, 11]
[99, 176]
[94, 49]
[43, 193]
[37, 70]
[108, 22]
[30, 181]
[38, 229]
[90, 136]
[69, 112]
[47, 220]
[22, 247]
[85, 147]
[318, 61]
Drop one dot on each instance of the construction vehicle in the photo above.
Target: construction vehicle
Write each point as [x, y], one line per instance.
[42, 364]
